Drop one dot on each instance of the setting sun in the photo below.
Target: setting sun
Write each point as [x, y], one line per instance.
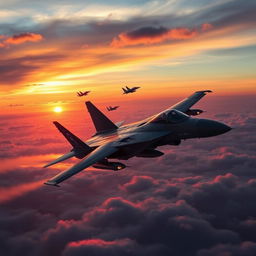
[57, 109]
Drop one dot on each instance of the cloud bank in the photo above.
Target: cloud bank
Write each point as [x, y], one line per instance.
[153, 35]
[197, 199]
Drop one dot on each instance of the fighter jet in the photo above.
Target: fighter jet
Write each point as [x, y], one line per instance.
[112, 108]
[140, 139]
[130, 90]
[80, 94]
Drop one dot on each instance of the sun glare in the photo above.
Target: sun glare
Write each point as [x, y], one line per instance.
[57, 109]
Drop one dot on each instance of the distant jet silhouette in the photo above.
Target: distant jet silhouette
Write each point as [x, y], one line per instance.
[112, 108]
[80, 94]
[130, 90]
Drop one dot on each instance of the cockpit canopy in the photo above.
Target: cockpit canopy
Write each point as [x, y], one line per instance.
[172, 117]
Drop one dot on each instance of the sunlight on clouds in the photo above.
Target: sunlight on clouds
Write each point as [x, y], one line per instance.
[26, 161]
[45, 88]
[87, 69]
[88, 12]
[82, 73]
[103, 11]
[4, 14]
[19, 190]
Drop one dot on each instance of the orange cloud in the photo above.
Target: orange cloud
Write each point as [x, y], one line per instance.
[24, 37]
[99, 243]
[153, 35]
[21, 38]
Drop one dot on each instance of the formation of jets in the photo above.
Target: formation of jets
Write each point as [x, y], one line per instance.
[127, 90]
[80, 93]
[139, 139]
[112, 108]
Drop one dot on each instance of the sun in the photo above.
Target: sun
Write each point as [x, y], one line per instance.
[58, 109]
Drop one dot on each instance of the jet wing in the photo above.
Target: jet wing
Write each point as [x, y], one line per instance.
[185, 104]
[95, 156]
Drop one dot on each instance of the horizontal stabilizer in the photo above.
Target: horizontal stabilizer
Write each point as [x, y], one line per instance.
[100, 121]
[95, 156]
[62, 158]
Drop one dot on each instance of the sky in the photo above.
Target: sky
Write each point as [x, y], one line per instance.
[195, 200]
[50, 49]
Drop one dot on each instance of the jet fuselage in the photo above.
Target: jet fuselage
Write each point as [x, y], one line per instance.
[173, 133]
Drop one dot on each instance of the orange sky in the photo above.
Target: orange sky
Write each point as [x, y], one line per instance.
[44, 66]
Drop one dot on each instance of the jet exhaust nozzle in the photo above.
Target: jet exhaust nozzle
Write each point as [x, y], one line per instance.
[150, 153]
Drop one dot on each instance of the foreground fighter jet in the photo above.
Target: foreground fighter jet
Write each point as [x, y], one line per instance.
[130, 90]
[139, 139]
[80, 94]
[112, 108]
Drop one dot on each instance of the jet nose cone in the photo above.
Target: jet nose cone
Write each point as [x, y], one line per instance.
[225, 128]
[207, 128]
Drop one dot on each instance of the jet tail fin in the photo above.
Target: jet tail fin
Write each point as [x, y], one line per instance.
[100, 121]
[79, 147]
[124, 90]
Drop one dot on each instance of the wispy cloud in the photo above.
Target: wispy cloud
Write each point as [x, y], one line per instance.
[153, 35]
[150, 209]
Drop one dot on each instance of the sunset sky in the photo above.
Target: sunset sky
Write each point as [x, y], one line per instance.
[51, 49]
[196, 200]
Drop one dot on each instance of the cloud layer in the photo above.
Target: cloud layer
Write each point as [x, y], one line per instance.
[197, 199]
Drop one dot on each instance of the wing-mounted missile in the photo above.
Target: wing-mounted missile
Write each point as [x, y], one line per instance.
[106, 165]
[150, 153]
[194, 112]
